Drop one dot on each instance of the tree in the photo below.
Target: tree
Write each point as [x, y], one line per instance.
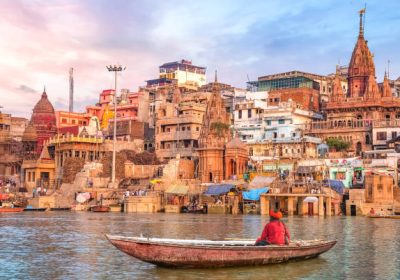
[337, 144]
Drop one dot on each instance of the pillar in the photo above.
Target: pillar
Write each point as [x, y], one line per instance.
[329, 206]
[264, 205]
[290, 206]
[321, 206]
[300, 210]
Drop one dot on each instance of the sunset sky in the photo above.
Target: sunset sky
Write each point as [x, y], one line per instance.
[41, 40]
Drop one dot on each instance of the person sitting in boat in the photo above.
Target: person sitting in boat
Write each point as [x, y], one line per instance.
[372, 212]
[275, 232]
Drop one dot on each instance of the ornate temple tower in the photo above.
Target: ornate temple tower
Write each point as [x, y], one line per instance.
[361, 68]
[43, 120]
[214, 134]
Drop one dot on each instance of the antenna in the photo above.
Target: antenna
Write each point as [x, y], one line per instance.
[71, 90]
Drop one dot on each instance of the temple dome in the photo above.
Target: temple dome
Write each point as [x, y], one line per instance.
[236, 143]
[43, 105]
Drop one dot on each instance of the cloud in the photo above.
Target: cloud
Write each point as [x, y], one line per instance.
[41, 40]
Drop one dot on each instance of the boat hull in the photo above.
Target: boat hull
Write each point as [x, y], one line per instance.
[211, 256]
[11, 210]
[99, 208]
[386, 217]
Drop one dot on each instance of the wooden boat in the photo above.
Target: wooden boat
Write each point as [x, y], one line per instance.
[208, 254]
[42, 209]
[60, 209]
[100, 208]
[385, 216]
[11, 210]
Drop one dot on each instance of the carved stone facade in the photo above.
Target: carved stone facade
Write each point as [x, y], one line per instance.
[220, 157]
[350, 117]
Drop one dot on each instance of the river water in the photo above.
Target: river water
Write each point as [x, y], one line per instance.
[69, 245]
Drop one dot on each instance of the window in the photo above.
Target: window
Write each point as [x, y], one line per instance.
[381, 135]
[249, 113]
[398, 115]
[275, 134]
[394, 134]
[197, 128]
[268, 122]
[240, 114]
[73, 121]
[64, 120]
[168, 129]
[183, 129]
[293, 134]
[188, 128]
[281, 121]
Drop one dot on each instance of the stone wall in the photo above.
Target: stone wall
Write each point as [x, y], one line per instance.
[72, 166]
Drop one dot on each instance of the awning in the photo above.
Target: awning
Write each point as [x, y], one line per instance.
[219, 189]
[254, 194]
[261, 182]
[310, 199]
[305, 169]
[178, 189]
[335, 185]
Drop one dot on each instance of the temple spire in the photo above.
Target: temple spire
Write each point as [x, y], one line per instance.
[216, 77]
[361, 32]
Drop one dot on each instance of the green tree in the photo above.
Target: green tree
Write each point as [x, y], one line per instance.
[337, 144]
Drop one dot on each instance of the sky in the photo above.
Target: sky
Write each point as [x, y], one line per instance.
[41, 40]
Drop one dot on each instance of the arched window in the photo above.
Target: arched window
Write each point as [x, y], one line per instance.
[367, 139]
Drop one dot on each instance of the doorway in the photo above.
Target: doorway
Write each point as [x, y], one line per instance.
[353, 210]
[310, 209]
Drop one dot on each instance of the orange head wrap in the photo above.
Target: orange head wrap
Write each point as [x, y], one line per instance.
[275, 214]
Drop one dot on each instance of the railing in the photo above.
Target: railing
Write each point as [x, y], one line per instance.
[70, 139]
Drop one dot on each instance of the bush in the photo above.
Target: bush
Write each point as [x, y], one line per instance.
[337, 144]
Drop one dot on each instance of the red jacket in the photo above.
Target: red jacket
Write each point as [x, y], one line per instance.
[275, 232]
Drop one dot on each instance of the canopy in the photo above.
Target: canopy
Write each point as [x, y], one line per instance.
[261, 182]
[336, 185]
[219, 189]
[254, 194]
[310, 199]
[178, 189]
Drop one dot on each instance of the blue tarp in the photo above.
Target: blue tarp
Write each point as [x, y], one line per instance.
[219, 189]
[254, 194]
[336, 185]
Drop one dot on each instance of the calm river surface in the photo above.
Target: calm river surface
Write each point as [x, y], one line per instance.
[69, 245]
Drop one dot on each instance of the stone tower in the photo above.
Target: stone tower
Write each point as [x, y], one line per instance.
[214, 134]
[361, 68]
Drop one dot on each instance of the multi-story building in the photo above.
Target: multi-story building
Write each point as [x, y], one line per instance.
[349, 116]
[178, 125]
[248, 120]
[277, 131]
[306, 88]
[10, 156]
[68, 119]
[180, 73]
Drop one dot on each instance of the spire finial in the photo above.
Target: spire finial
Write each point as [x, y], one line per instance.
[44, 89]
[361, 12]
[216, 77]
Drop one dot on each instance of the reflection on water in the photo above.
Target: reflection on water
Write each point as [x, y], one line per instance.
[72, 246]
